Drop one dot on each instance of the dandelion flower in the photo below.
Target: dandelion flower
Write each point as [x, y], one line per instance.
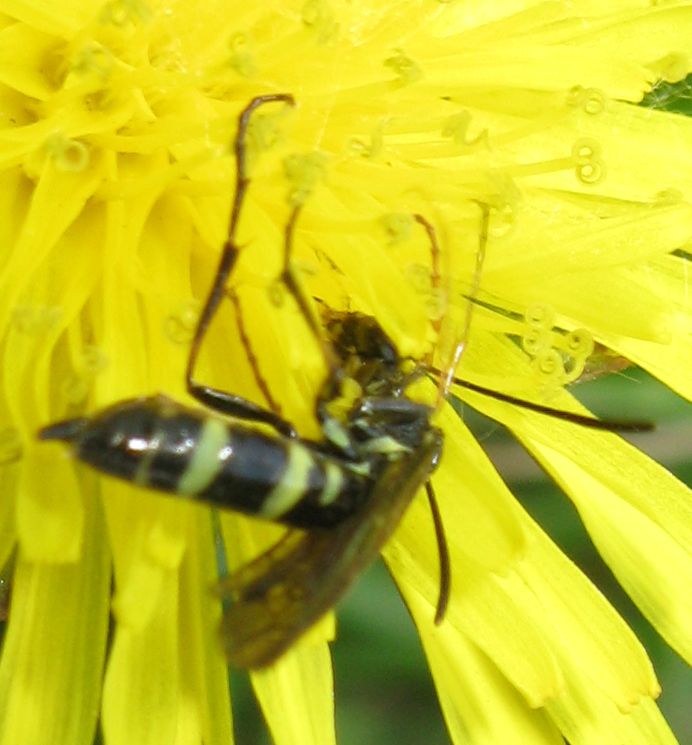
[116, 181]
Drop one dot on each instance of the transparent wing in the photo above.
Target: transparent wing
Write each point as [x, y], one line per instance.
[282, 593]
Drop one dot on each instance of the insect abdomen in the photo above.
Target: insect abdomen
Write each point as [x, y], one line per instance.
[159, 444]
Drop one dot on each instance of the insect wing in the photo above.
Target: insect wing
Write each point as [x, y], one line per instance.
[282, 593]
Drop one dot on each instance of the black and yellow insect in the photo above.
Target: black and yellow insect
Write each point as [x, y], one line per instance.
[341, 496]
[347, 491]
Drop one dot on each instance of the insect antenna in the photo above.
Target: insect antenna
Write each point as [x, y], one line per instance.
[447, 378]
[608, 425]
[444, 563]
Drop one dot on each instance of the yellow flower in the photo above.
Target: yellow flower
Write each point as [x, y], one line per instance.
[116, 182]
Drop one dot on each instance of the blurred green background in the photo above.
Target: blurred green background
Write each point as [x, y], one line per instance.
[384, 692]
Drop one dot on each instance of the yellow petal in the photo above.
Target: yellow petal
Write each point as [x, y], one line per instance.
[666, 278]
[586, 717]
[584, 631]
[296, 696]
[144, 666]
[653, 568]
[53, 653]
[484, 608]
[638, 514]
[480, 705]
[480, 514]
[49, 520]
[24, 72]
[203, 670]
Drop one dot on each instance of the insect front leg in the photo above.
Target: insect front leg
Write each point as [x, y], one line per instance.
[290, 279]
[333, 432]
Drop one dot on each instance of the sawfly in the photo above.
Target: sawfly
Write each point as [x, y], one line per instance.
[341, 496]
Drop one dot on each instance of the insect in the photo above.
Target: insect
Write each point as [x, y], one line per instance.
[341, 496]
[347, 491]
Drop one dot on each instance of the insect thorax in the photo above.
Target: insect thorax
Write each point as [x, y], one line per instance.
[369, 418]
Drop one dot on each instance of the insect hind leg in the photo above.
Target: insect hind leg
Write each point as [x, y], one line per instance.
[216, 399]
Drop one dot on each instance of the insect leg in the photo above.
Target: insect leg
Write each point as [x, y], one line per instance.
[214, 398]
[289, 278]
[253, 361]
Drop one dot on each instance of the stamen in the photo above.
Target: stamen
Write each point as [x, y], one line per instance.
[370, 148]
[36, 320]
[76, 388]
[124, 12]
[68, 155]
[456, 128]
[399, 226]
[179, 326]
[503, 217]
[242, 58]
[549, 367]
[303, 173]
[590, 167]
[540, 316]
[93, 61]
[318, 16]
[93, 359]
[536, 341]
[579, 343]
[589, 100]
[88, 364]
[405, 68]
